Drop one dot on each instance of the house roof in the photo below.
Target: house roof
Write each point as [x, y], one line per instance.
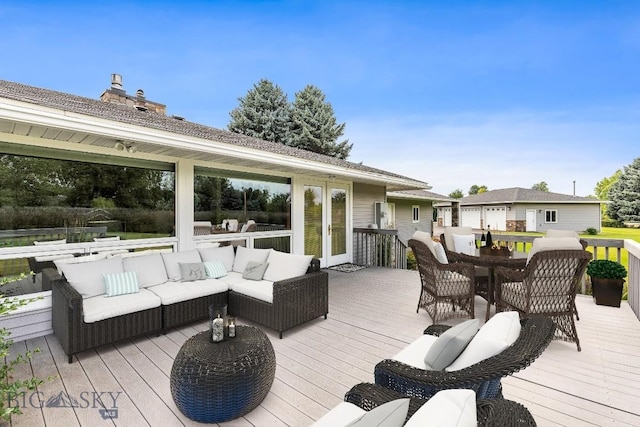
[59, 107]
[522, 195]
[418, 195]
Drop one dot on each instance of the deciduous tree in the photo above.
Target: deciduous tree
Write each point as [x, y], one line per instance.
[456, 194]
[475, 189]
[541, 186]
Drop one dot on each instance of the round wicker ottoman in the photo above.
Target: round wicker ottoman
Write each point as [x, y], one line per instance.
[212, 383]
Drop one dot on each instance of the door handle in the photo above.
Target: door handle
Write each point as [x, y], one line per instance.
[329, 229]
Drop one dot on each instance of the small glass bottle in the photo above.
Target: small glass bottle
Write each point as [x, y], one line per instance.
[232, 327]
[217, 329]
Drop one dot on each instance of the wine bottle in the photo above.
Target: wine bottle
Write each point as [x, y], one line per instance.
[489, 238]
[483, 239]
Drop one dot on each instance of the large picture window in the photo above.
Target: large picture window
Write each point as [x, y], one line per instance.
[258, 202]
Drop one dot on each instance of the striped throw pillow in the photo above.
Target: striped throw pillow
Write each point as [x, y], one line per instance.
[215, 269]
[121, 283]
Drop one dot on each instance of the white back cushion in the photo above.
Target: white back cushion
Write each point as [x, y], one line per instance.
[450, 231]
[553, 244]
[244, 255]
[426, 239]
[286, 266]
[464, 244]
[502, 330]
[340, 415]
[390, 414]
[86, 277]
[149, 269]
[441, 255]
[171, 261]
[50, 242]
[562, 233]
[106, 239]
[222, 253]
[456, 407]
[77, 260]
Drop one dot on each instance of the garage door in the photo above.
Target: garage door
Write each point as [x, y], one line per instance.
[470, 217]
[496, 217]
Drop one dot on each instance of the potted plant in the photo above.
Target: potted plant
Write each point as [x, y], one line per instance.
[607, 279]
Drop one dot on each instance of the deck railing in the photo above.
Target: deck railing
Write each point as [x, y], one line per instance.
[380, 248]
[613, 250]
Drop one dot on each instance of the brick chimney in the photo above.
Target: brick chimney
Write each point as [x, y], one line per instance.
[116, 95]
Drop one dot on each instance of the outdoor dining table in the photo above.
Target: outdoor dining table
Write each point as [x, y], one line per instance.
[492, 258]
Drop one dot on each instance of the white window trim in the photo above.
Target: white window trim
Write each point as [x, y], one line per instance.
[554, 216]
[415, 214]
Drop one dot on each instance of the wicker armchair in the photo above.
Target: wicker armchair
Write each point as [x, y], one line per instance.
[447, 289]
[483, 377]
[546, 287]
[490, 412]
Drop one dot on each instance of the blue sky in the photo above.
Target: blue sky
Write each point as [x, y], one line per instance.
[454, 93]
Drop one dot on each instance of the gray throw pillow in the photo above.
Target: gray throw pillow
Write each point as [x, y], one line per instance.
[254, 270]
[450, 344]
[190, 271]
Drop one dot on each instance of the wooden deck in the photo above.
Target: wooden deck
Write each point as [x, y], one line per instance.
[372, 316]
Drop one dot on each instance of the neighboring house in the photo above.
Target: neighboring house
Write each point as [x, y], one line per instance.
[315, 200]
[413, 210]
[522, 209]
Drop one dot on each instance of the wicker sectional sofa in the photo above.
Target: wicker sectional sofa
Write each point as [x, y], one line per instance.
[292, 291]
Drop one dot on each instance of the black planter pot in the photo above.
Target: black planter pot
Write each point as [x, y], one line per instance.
[607, 291]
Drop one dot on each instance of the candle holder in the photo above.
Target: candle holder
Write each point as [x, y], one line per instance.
[218, 322]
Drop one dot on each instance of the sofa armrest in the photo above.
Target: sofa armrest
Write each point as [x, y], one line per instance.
[49, 275]
[66, 313]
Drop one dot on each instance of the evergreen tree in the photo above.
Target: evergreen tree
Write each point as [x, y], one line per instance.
[263, 113]
[314, 126]
[624, 194]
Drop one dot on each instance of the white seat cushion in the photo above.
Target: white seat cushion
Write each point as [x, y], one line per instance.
[173, 292]
[244, 255]
[502, 330]
[258, 289]
[562, 233]
[101, 307]
[87, 277]
[284, 266]
[414, 353]
[231, 278]
[447, 408]
[70, 259]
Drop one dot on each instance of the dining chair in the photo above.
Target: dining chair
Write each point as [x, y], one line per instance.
[447, 290]
[547, 286]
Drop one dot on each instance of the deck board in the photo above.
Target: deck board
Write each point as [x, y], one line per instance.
[372, 315]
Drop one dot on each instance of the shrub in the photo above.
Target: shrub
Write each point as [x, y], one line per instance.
[591, 231]
[412, 264]
[606, 269]
[10, 388]
[613, 224]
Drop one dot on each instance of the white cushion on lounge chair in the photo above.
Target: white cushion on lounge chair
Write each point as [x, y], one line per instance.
[441, 255]
[172, 292]
[70, 259]
[414, 353]
[171, 261]
[341, 415]
[455, 407]
[101, 307]
[562, 233]
[502, 330]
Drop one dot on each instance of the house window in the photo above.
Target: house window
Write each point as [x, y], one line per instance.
[241, 197]
[415, 213]
[551, 215]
